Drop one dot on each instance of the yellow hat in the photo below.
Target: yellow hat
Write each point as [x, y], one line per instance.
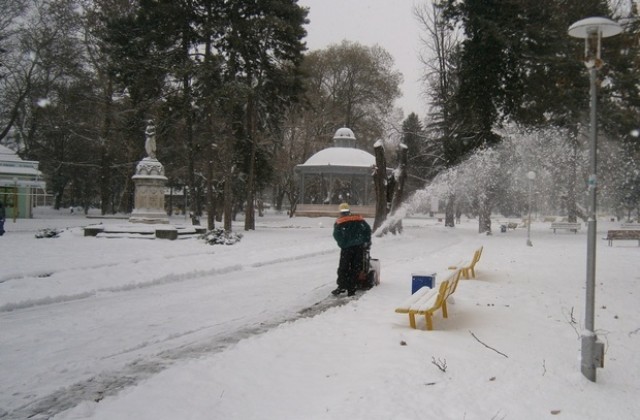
[344, 208]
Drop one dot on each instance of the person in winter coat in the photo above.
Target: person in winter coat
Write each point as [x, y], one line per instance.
[2, 215]
[353, 235]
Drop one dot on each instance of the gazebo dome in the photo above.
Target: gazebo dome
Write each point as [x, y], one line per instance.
[344, 132]
[341, 156]
[343, 153]
[344, 137]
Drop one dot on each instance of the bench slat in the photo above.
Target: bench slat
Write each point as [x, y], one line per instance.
[421, 293]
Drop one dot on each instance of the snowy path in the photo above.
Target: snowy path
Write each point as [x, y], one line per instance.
[118, 327]
[90, 327]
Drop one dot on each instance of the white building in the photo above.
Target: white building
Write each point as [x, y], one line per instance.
[20, 184]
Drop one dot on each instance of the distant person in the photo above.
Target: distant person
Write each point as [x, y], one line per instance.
[353, 235]
[2, 216]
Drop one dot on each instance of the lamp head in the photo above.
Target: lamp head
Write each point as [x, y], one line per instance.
[592, 30]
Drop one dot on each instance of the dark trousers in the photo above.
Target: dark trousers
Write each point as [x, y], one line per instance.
[1, 227]
[351, 264]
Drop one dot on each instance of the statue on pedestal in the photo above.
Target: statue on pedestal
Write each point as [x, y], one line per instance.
[149, 181]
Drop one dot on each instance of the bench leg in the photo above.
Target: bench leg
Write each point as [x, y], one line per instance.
[444, 309]
[428, 318]
[412, 320]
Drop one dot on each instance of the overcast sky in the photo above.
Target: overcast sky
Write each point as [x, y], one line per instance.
[388, 23]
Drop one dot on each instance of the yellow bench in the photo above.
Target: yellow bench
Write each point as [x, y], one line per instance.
[426, 301]
[469, 268]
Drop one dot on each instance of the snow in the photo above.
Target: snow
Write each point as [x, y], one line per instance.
[7, 154]
[122, 328]
[341, 156]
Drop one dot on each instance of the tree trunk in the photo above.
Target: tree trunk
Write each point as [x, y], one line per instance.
[380, 183]
[249, 213]
[106, 204]
[188, 118]
[211, 205]
[484, 216]
[228, 198]
[449, 215]
[398, 192]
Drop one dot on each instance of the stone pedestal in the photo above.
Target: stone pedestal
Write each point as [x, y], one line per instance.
[149, 183]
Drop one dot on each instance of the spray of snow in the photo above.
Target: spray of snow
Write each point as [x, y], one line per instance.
[550, 153]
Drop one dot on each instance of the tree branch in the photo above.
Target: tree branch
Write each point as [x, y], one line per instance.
[489, 347]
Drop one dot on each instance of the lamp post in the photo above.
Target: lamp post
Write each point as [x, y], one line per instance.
[531, 176]
[592, 30]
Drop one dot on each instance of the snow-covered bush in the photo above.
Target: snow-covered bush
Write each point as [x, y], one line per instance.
[48, 233]
[219, 237]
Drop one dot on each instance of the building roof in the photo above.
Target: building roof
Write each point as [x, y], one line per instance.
[341, 156]
[14, 170]
[8, 154]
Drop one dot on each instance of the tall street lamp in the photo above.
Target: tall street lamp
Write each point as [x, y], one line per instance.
[532, 176]
[592, 30]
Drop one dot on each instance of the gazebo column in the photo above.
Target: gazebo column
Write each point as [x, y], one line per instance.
[302, 181]
[365, 200]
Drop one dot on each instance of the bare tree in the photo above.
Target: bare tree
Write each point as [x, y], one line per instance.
[439, 42]
[351, 85]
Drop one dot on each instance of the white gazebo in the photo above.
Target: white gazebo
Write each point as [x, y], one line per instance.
[335, 175]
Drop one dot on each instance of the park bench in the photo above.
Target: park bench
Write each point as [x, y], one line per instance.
[574, 227]
[625, 234]
[468, 268]
[508, 225]
[630, 226]
[426, 301]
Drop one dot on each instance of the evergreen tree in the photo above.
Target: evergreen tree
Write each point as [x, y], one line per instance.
[262, 48]
[424, 154]
[515, 64]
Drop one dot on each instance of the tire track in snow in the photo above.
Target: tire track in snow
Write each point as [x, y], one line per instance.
[110, 383]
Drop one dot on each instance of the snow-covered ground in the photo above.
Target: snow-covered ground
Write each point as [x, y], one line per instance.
[126, 328]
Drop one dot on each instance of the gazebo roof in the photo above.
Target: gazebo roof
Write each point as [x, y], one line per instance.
[341, 156]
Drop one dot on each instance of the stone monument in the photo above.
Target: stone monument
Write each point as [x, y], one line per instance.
[149, 183]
